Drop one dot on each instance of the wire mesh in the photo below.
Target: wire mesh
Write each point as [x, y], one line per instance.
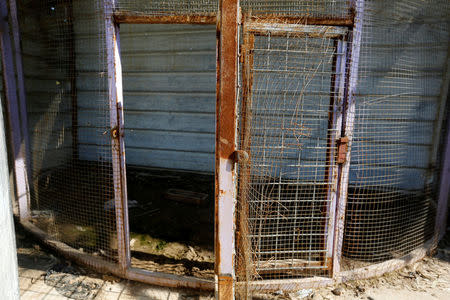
[68, 114]
[391, 198]
[304, 8]
[168, 7]
[285, 211]
[284, 186]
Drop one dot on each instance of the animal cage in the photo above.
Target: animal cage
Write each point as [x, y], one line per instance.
[247, 146]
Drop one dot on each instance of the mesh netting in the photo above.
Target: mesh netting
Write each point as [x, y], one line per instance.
[304, 8]
[284, 113]
[169, 7]
[285, 184]
[391, 200]
[309, 8]
[68, 115]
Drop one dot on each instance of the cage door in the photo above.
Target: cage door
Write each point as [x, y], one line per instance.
[292, 85]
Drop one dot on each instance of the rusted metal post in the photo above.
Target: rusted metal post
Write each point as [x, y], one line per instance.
[334, 134]
[117, 134]
[18, 143]
[444, 189]
[348, 118]
[227, 91]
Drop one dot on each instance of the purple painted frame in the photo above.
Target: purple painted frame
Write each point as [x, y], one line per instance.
[347, 130]
[117, 134]
[14, 107]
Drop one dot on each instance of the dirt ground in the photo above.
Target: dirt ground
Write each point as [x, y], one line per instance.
[44, 275]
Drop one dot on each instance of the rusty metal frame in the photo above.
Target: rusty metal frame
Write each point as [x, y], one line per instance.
[253, 28]
[347, 131]
[334, 134]
[119, 171]
[227, 91]
[16, 104]
[294, 30]
[115, 97]
[306, 20]
[242, 246]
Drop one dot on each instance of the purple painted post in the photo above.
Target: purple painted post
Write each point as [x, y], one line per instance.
[347, 130]
[117, 133]
[20, 84]
[444, 190]
[18, 145]
[338, 89]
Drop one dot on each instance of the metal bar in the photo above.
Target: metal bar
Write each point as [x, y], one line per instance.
[335, 119]
[295, 30]
[227, 75]
[9, 288]
[444, 189]
[243, 245]
[347, 130]
[18, 147]
[433, 159]
[117, 132]
[20, 84]
[133, 18]
[441, 114]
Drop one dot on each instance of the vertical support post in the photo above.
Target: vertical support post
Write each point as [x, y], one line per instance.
[117, 133]
[433, 159]
[20, 84]
[348, 118]
[10, 86]
[444, 189]
[227, 74]
[334, 133]
[9, 276]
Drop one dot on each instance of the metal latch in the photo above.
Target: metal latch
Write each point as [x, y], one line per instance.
[240, 156]
[342, 149]
[115, 132]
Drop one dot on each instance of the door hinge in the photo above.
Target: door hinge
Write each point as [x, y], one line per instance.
[342, 149]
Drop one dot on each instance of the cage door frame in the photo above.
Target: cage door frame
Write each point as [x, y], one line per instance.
[339, 35]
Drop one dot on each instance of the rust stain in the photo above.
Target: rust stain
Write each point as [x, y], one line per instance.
[133, 18]
[227, 69]
[225, 291]
[342, 149]
[347, 21]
